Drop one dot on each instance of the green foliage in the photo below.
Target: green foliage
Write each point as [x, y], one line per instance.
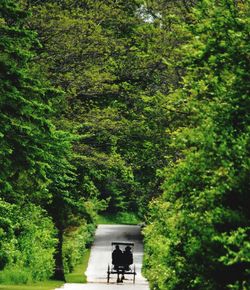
[7, 237]
[22, 110]
[36, 243]
[200, 223]
[15, 275]
[129, 218]
[27, 244]
[36, 157]
[108, 60]
[76, 243]
[78, 274]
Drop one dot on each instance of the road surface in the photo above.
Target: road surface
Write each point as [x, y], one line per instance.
[100, 257]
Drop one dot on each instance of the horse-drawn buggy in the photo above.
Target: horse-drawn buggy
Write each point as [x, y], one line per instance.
[122, 261]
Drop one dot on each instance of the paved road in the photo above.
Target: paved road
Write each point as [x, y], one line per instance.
[101, 256]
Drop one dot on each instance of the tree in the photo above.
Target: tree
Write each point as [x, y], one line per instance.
[201, 222]
[25, 108]
[109, 59]
[36, 157]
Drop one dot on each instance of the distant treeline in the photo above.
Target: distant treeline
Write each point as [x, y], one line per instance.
[126, 105]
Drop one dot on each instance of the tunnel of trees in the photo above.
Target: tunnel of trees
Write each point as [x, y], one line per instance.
[126, 105]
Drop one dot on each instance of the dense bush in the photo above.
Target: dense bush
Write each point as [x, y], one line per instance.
[28, 243]
[15, 275]
[37, 176]
[36, 242]
[198, 234]
[7, 237]
[76, 242]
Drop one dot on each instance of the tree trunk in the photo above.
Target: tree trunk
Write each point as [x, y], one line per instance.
[59, 270]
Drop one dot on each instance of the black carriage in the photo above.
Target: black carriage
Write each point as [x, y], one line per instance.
[122, 261]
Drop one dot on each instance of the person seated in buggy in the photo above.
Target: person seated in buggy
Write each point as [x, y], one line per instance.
[122, 261]
[117, 257]
[127, 258]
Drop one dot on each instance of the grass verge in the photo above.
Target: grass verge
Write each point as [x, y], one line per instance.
[46, 285]
[78, 275]
[126, 218]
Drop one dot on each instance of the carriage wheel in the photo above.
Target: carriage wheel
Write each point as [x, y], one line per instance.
[108, 272]
[134, 275]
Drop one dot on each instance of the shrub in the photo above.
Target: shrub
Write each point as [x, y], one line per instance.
[36, 242]
[15, 275]
[76, 241]
[27, 243]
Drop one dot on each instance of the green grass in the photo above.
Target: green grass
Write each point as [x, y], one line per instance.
[78, 276]
[126, 218]
[46, 285]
